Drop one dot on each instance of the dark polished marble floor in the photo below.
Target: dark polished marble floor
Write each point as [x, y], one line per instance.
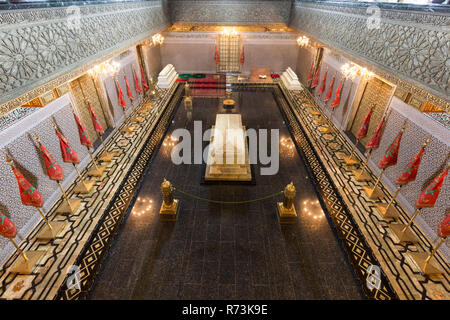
[227, 251]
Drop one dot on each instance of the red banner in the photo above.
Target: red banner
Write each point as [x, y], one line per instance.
[54, 171]
[216, 56]
[84, 137]
[97, 126]
[391, 156]
[411, 170]
[137, 87]
[428, 197]
[362, 132]
[310, 76]
[120, 96]
[242, 55]
[324, 82]
[28, 194]
[130, 94]
[374, 142]
[143, 79]
[444, 227]
[68, 153]
[330, 90]
[337, 99]
[7, 227]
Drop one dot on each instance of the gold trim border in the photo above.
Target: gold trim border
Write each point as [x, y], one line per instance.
[61, 80]
[420, 93]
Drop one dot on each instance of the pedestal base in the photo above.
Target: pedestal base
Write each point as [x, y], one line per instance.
[128, 129]
[169, 213]
[69, 208]
[407, 236]
[84, 187]
[432, 269]
[326, 130]
[373, 193]
[361, 175]
[313, 112]
[390, 213]
[48, 234]
[108, 156]
[96, 171]
[146, 108]
[320, 120]
[23, 266]
[286, 216]
[350, 160]
[341, 155]
[137, 119]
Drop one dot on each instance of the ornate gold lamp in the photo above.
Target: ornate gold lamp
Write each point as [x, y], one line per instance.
[303, 41]
[286, 209]
[170, 206]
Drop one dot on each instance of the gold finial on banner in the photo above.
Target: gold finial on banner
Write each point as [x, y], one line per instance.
[37, 137]
[404, 126]
[71, 108]
[427, 141]
[9, 161]
[54, 125]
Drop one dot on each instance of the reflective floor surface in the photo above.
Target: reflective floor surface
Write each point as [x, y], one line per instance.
[227, 251]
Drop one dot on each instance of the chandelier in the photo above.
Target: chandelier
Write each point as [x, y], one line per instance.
[104, 69]
[303, 41]
[229, 32]
[354, 70]
[157, 39]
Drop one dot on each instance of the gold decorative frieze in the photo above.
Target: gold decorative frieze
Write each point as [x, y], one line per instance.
[403, 86]
[44, 48]
[406, 47]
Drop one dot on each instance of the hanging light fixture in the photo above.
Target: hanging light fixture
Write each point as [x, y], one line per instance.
[303, 41]
[229, 32]
[365, 73]
[157, 39]
[104, 69]
[349, 71]
[354, 70]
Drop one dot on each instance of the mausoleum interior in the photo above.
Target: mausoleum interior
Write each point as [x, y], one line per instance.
[215, 150]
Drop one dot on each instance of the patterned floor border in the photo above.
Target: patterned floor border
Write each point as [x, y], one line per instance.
[359, 252]
[92, 257]
[48, 279]
[401, 271]
[364, 235]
